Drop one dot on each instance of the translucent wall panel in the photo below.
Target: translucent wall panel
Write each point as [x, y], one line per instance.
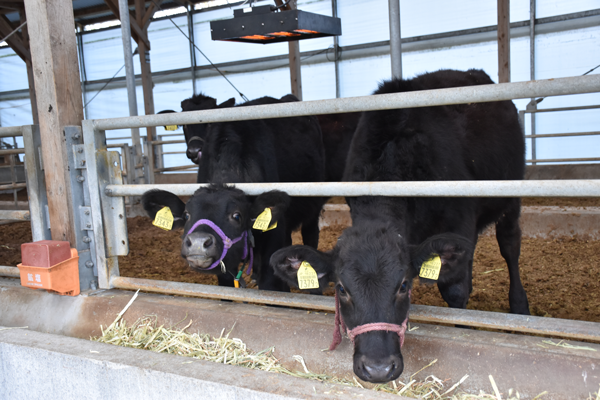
[364, 21]
[318, 81]
[13, 72]
[170, 49]
[551, 8]
[103, 54]
[15, 112]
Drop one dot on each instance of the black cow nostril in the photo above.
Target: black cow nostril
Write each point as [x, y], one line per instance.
[188, 242]
[208, 242]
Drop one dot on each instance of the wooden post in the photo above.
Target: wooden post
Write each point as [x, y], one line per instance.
[294, 57]
[56, 75]
[503, 41]
[143, 21]
[32, 98]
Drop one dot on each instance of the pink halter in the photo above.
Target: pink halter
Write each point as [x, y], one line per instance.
[376, 326]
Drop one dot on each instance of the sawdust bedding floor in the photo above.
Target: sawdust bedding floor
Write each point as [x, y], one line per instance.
[561, 275]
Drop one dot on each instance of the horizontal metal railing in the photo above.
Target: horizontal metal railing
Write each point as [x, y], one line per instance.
[425, 98]
[529, 188]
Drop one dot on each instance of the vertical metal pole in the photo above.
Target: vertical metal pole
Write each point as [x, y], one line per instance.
[532, 72]
[395, 39]
[294, 56]
[79, 36]
[130, 79]
[190, 18]
[336, 52]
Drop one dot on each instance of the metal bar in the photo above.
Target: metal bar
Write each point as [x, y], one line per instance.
[482, 319]
[13, 186]
[564, 160]
[167, 141]
[547, 135]
[395, 38]
[12, 151]
[173, 152]
[576, 108]
[9, 271]
[190, 21]
[425, 98]
[82, 70]
[532, 102]
[36, 183]
[336, 52]
[17, 215]
[130, 76]
[181, 168]
[9, 131]
[529, 188]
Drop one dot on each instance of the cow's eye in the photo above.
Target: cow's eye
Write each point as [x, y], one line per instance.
[404, 287]
[186, 215]
[236, 216]
[341, 289]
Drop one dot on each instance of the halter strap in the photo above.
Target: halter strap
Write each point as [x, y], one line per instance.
[376, 326]
[227, 243]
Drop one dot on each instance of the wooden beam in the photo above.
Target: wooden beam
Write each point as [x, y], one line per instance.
[56, 75]
[503, 41]
[15, 42]
[144, 52]
[294, 56]
[30, 80]
[148, 16]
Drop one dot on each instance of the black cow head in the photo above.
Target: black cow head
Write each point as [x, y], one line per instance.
[195, 134]
[373, 268]
[226, 207]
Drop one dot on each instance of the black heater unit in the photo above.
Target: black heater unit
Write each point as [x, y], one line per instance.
[265, 25]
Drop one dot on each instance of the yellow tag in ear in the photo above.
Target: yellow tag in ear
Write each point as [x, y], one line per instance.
[263, 220]
[164, 219]
[171, 128]
[307, 277]
[431, 267]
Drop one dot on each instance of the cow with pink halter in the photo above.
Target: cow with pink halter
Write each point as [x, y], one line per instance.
[392, 240]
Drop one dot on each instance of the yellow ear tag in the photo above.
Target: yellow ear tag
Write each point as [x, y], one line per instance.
[263, 220]
[164, 219]
[431, 267]
[171, 128]
[307, 277]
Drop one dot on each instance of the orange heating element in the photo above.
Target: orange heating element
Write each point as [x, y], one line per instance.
[287, 34]
[257, 37]
[305, 31]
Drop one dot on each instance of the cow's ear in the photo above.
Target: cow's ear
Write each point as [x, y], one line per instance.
[453, 250]
[276, 200]
[155, 200]
[228, 103]
[286, 262]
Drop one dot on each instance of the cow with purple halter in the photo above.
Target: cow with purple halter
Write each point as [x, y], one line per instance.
[375, 260]
[217, 230]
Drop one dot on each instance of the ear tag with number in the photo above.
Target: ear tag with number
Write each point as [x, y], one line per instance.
[263, 220]
[307, 277]
[164, 219]
[431, 267]
[171, 128]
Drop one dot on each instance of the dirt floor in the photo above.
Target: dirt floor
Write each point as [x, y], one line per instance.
[561, 276]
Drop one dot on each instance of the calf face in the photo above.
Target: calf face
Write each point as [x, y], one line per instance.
[217, 220]
[373, 268]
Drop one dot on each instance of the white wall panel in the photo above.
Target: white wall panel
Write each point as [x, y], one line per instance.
[13, 72]
[170, 49]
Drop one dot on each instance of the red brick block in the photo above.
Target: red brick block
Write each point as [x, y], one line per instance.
[45, 253]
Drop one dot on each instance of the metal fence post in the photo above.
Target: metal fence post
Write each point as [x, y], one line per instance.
[109, 220]
[36, 183]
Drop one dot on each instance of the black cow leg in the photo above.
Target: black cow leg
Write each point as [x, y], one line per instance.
[310, 233]
[455, 294]
[508, 234]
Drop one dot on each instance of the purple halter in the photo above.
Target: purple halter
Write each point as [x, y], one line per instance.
[227, 243]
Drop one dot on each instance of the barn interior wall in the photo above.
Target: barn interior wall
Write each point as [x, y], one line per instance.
[558, 54]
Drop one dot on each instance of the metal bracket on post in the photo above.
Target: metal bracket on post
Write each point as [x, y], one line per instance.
[85, 244]
[36, 183]
[109, 220]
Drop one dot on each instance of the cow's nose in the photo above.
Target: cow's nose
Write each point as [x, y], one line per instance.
[199, 243]
[380, 370]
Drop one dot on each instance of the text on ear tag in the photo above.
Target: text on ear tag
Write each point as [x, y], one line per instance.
[431, 267]
[171, 128]
[307, 277]
[263, 220]
[164, 219]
